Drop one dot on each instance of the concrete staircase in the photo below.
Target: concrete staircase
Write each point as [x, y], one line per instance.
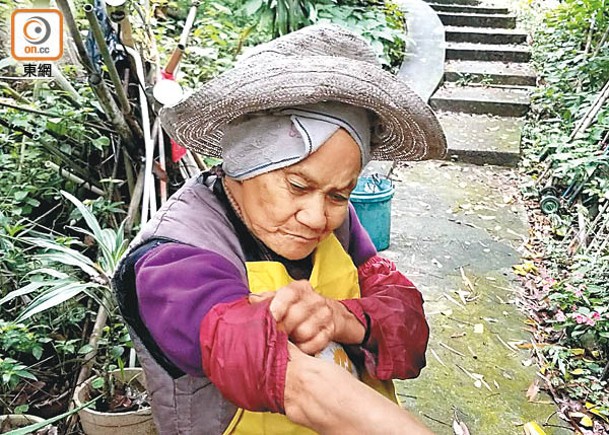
[487, 82]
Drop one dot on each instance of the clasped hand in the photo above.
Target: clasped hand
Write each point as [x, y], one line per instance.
[309, 319]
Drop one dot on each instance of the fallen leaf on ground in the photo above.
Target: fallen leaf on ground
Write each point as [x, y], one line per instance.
[584, 419]
[533, 390]
[532, 428]
[459, 428]
[433, 352]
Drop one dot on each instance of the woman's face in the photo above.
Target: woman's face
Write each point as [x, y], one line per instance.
[292, 209]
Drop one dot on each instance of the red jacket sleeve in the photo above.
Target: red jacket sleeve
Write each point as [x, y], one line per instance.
[394, 311]
[245, 355]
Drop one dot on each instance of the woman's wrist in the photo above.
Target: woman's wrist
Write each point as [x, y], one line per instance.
[347, 327]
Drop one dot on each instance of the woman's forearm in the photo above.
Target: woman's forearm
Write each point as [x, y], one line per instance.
[326, 398]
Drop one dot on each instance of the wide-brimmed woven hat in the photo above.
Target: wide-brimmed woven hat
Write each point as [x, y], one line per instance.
[315, 64]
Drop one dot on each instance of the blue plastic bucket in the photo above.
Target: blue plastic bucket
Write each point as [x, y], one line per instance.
[372, 201]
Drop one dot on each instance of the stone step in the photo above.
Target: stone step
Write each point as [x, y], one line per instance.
[468, 9]
[484, 35]
[481, 100]
[502, 73]
[482, 139]
[487, 52]
[457, 2]
[478, 20]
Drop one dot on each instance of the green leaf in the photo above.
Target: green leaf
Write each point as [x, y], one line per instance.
[26, 375]
[37, 352]
[85, 349]
[85, 212]
[31, 287]
[21, 409]
[20, 195]
[97, 383]
[34, 427]
[116, 351]
[251, 6]
[52, 298]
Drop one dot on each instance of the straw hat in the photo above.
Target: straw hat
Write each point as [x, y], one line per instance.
[315, 64]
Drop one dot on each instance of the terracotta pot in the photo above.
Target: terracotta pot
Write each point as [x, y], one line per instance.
[103, 423]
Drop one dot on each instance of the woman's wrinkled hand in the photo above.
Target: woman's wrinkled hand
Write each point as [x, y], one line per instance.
[308, 318]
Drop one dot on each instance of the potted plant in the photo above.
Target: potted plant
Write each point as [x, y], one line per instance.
[123, 406]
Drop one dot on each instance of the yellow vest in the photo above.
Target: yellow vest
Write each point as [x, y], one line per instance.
[333, 276]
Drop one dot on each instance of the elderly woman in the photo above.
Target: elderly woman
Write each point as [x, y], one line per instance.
[256, 300]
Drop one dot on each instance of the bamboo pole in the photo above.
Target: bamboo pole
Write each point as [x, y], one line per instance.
[3, 103]
[51, 149]
[601, 42]
[581, 125]
[107, 57]
[149, 145]
[117, 119]
[16, 95]
[591, 113]
[64, 84]
[129, 171]
[162, 181]
[73, 28]
[112, 111]
[85, 370]
[68, 175]
[136, 198]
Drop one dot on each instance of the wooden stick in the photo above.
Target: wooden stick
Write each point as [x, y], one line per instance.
[601, 42]
[98, 326]
[592, 111]
[129, 172]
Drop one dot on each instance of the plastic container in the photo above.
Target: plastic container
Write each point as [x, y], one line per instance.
[372, 201]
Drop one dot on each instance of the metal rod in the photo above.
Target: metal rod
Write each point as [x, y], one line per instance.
[107, 57]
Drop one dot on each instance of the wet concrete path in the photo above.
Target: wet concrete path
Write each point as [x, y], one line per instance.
[455, 232]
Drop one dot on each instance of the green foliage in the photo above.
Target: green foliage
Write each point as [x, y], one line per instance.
[382, 24]
[281, 17]
[16, 338]
[56, 287]
[581, 307]
[12, 372]
[571, 55]
[572, 60]
[213, 43]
